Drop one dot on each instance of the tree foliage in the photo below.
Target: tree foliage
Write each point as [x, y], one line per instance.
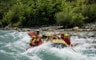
[71, 15]
[27, 13]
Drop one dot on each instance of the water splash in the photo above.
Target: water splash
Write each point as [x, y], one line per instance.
[14, 44]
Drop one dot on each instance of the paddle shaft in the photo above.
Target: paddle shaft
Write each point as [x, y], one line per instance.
[69, 46]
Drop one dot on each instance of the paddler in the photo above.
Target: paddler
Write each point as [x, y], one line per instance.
[67, 39]
[58, 41]
[36, 38]
[32, 44]
[62, 35]
[39, 40]
[37, 33]
[36, 41]
[49, 37]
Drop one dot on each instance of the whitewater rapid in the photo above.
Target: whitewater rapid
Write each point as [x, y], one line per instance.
[13, 46]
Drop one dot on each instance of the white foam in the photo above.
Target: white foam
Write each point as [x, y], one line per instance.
[32, 53]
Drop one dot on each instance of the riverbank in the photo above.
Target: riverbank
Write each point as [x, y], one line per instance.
[76, 28]
[86, 27]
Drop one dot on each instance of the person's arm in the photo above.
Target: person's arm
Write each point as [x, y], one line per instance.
[46, 39]
[33, 40]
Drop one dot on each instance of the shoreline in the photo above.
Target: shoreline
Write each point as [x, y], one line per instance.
[85, 27]
[49, 28]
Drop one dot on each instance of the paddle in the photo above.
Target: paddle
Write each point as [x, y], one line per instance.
[70, 46]
[28, 47]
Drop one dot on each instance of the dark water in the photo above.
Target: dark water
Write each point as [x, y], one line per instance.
[13, 45]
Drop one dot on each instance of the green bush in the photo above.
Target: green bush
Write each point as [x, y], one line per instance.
[90, 12]
[70, 15]
[29, 13]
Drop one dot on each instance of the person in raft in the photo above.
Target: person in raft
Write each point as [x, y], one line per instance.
[36, 39]
[49, 37]
[66, 38]
[36, 33]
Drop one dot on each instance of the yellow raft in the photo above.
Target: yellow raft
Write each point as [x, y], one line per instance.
[58, 43]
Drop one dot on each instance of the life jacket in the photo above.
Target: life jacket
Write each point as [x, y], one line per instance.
[36, 42]
[39, 42]
[67, 40]
[32, 42]
[48, 39]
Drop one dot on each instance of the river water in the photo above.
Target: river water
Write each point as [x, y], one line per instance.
[13, 46]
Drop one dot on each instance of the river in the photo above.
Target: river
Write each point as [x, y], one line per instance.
[13, 46]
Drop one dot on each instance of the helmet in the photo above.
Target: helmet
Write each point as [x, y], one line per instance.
[66, 35]
[49, 35]
[37, 32]
[40, 35]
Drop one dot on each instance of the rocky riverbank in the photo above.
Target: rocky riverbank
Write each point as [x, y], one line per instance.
[86, 27]
[49, 29]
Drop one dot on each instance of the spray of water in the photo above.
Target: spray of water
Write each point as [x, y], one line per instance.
[15, 44]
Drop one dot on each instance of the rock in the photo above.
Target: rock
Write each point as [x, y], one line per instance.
[90, 26]
[26, 29]
[75, 28]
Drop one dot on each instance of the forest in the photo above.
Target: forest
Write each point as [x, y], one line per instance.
[30, 13]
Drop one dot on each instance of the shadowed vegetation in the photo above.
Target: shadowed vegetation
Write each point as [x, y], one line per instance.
[27, 13]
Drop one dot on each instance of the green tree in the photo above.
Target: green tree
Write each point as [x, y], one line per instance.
[71, 14]
[90, 12]
[15, 15]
